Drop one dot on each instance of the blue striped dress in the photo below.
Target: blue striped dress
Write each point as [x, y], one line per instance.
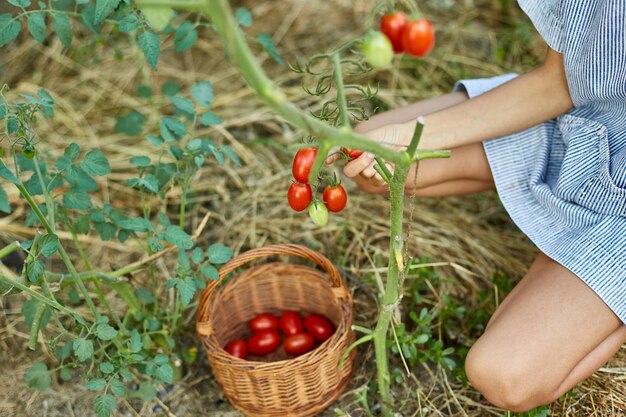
[563, 182]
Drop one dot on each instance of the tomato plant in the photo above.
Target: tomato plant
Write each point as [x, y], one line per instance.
[302, 164]
[299, 196]
[335, 198]
[263, 343]
[264, 322]
[392, 25]
[418, 38]
[299, 344]
[238, 348]
[377, 49]
[291, 323]
[319, 326]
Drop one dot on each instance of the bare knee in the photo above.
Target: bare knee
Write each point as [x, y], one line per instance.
[506, 381]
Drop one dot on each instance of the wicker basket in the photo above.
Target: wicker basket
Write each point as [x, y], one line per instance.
[301, 386]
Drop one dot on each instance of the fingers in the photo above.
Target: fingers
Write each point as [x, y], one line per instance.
[355, 167]
[333, 155]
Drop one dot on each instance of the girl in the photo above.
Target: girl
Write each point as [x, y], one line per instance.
[552, 142]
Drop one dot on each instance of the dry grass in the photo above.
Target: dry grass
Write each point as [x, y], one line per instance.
[469, 239]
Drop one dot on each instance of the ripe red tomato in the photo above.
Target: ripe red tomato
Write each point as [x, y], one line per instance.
[392, 25]
[299, 196]
[263, 343]
[351, 153]
[418, 38]
[238, 348]
[291, 323]
[319, 326]
[302, 164]
[299, 344]
[335, 198]
[264, 322]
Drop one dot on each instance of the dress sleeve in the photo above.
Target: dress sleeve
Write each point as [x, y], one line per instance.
[547, 17]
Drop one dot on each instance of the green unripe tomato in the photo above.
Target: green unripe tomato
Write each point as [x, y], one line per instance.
[318, 213]
[377, 49]
[28, 151]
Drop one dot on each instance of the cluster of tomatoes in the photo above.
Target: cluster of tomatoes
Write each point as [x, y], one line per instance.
[300, 335]
[398, 34]
[300, 194]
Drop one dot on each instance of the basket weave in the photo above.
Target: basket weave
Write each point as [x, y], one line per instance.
[300, 386]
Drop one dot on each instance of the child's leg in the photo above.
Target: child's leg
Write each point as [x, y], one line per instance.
[550, 333]
[466, 171]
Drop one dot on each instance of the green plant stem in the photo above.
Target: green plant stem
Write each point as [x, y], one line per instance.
[417, 135]
[342, 102]
[34, 329]
[10, 248]
[64, 256]
[46, 194]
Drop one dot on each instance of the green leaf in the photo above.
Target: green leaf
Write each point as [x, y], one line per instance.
[105, 230]
[146, 391]
[7, 174]
[65, 374]
[49, 244]
[148, 183]
[210, 119]
[185, 36]
[34, 270]
[9, 29]
[197, 255]
[140, 161]
[161, 359]
[176, 236]
[209, 271]
[38, 377]
[136, 224]
[131, 123]
[144, 91]
[96, 384]
[29, 309]
[118, 388]
[106, 368]
[165, 373]
[83, 349]
[203, 93]
[64, 352]
[76, 199]
[219, 254]
[37, 26]
[151, 47]
[72, 151]
[95, 163]
[63, 28]
[170, 88]
[134, 344]
[158, 16]
[187, 288]
[20, 3]
[183, 260]
[163, 219]
[268, 44]
[4, 201]
[103, 9]
[89, 17]
[231, 154]
[244, 17]
[79, 179]
[128, 23]
[183, 104]
[105, 332]
[172, 129]
[104, 405]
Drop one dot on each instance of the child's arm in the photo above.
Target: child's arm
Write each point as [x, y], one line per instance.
[519, 104]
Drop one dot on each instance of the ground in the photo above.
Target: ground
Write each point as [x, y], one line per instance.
[473, 251]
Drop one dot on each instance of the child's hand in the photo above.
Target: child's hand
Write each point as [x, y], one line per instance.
[396, 136]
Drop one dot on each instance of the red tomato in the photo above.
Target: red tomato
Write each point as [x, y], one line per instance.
[291, 323]
[392, 25]
[299, 196]
[263, 343]
[319, 326]
[302, 164]
[299, 344]
[264, 322]
[418, 38]
[335, 198]
[238, 348]
[351, 153]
